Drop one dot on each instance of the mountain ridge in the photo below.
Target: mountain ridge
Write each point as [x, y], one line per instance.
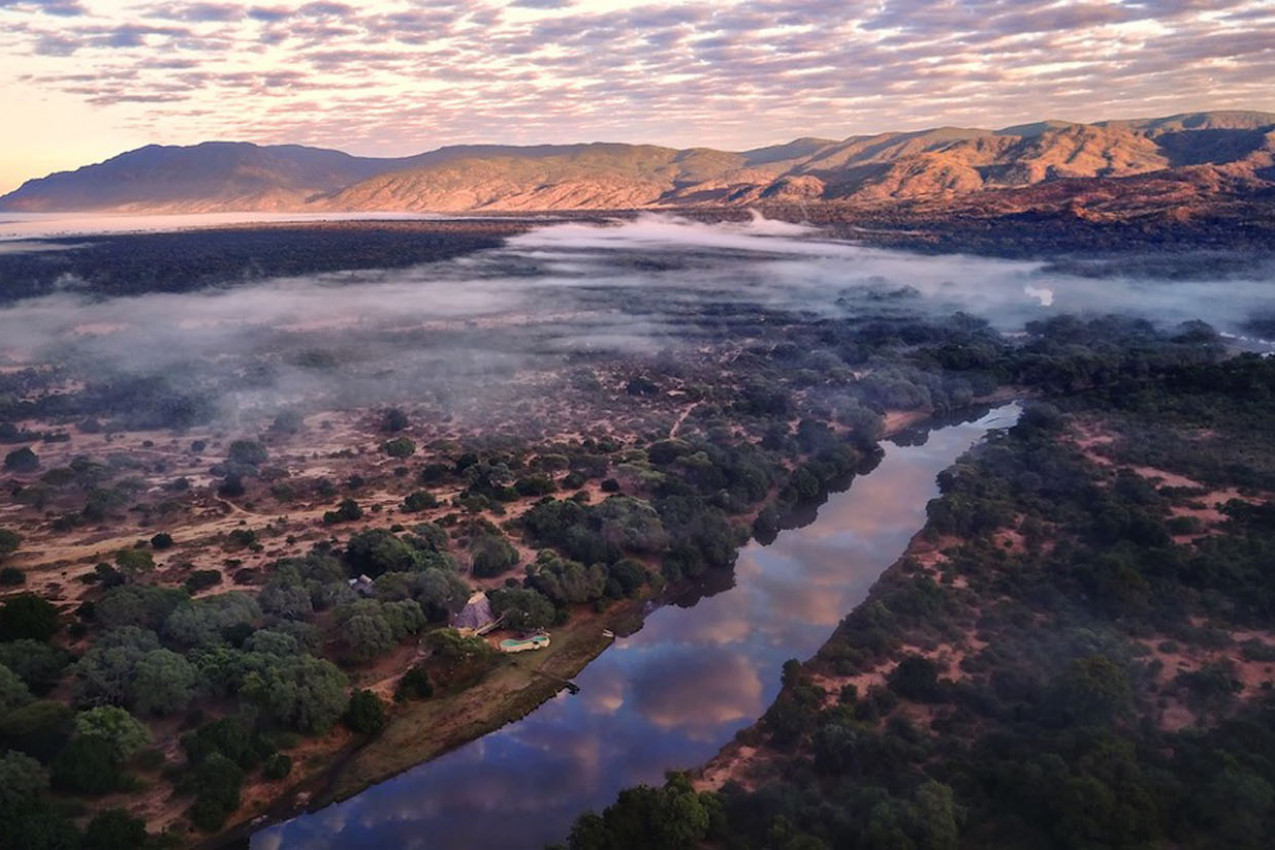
[1231, 151]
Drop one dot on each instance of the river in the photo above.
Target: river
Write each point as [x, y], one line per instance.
[668, 697]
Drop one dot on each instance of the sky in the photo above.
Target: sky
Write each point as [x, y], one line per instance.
[83, 80]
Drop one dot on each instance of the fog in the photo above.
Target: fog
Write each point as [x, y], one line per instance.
[639, 287]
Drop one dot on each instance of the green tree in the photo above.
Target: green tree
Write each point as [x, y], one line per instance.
[491, 555]
[247, 452]
[88, 765]
[28, 616]
[39, 729]
[366, 712]
[21, 777]
[163, 682]
[134, 561]
[115, 829]
[217, 783]
[9, 542]
[39, 664]
[115, 725]
[305, 693]
[523, 609]
[13, 691]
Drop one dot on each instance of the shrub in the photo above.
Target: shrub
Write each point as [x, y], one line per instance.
[202, 580]
[277, 767]
[12, 577]
[399, 447]
[415, 684]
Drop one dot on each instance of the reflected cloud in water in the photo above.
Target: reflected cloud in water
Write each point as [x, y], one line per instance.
[667, 697]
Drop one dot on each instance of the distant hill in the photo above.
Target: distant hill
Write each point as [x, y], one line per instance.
[1219, 151]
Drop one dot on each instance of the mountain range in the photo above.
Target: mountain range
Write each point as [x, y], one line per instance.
[1209, 152]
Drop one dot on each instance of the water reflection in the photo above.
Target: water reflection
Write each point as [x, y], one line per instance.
[666, 697]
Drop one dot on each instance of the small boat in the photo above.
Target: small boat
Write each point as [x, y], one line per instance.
[607, 633]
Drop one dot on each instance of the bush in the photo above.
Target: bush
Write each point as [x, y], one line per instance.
[217, 782]
[419, 500]
[202, 580]
[916, 678]
[277, 767]
[347, 511]
[399, 447]
[12, 577]
[415, 684]
[21, 460]
[366, 713]
[163, 540]
[9, 542]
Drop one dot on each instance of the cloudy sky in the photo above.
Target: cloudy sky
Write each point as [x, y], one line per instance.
[81, 80]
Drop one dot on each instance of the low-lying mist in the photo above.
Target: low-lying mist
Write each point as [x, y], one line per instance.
[458, 329]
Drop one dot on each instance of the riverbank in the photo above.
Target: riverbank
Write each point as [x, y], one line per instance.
[428, 730]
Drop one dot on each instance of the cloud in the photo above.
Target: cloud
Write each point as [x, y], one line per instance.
[729, 74]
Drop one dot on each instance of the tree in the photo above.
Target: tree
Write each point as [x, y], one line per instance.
[28, 616]
[163, 540]
[394, 420]
[138, 605]
[39, 729]
[116, 726]
[88, 765]
[491, 555]
[247, 452]
[367, 636]
[9, 542]
[115, 829]
[916, 678]
[305, 693]
[415, 684]
[347, 511]
[21, 777]
[163, 682]
[522, 609]
[366, 712]
[206, 621]
[13, 691]
[40, 665]
[21, 460]
[134, 561]
[217, 783]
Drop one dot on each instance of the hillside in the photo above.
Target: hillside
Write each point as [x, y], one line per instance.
[1221, 152]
